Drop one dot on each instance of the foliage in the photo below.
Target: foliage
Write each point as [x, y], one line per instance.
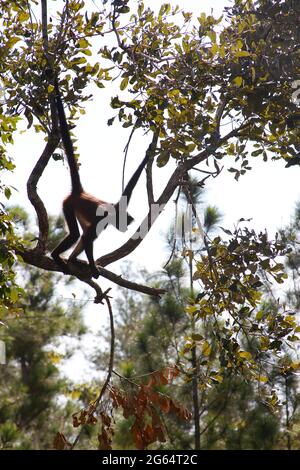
[213, 92]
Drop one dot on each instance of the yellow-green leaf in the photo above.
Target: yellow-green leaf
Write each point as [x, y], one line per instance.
[242, 54]
[214, 48]
[239, 44]
[263, 378]
[238, 81]
[14, 294]
[86, 52]
[218, 378]
[78, 60]
[50, 88]
[23, 16]
[191, 309]
[246, 355]
[83, 43]
[206, 349]
[259, 315]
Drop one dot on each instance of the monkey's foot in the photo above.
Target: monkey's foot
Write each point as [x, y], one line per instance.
[63, 266]
[77, 262]
[95, 272]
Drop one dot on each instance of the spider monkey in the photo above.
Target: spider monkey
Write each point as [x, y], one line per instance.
[94, 215]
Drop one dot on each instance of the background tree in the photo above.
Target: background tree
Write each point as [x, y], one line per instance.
[35, 397]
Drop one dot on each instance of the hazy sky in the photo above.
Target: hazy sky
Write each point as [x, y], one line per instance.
[267, 194]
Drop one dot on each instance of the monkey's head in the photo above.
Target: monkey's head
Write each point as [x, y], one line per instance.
[123, 222]
[122, 217]
[129, 219]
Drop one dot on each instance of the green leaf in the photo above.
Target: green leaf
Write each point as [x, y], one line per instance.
[259, 315]
[124, 83]
[116, 103]
[196, 337]
[141, 8]
[110, 121]
[7, 192]
[163, 158]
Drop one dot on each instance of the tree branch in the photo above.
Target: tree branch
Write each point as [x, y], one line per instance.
[219, 114]
[53, 141]
[81, 270]
[33, 195]
[151, 154]
[165, 196]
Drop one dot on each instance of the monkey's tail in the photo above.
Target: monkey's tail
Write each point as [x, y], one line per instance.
[134, 179]
[67, 142]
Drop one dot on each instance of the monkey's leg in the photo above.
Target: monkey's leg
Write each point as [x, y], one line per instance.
[88, 239]
[69, 240]
[77, 250]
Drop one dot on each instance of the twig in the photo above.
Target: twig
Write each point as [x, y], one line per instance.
[126, 153]
[110, 367]
[112, 352]
[45, 27]
[174, 236]
[151, 153]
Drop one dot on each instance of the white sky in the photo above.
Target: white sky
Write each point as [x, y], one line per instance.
[267, 194]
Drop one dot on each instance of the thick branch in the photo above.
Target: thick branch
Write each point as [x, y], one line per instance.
[33, 195]
[81, 270]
